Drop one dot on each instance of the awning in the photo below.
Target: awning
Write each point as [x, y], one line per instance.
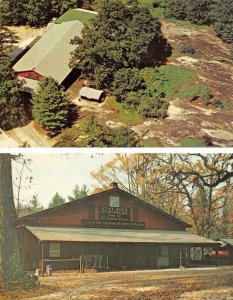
[70, 234]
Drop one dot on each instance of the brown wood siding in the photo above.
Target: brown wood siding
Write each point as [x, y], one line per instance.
[30, 249]
[74, 213]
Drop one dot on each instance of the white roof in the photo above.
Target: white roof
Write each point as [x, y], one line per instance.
[90, 93]
[50, 56]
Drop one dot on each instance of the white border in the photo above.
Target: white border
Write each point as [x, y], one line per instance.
[114, 150]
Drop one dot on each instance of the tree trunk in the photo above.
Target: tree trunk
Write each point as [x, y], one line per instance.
[10, 265]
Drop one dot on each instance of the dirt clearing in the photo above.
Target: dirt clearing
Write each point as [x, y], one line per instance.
[206, 283]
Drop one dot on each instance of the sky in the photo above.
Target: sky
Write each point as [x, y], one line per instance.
[57, 173]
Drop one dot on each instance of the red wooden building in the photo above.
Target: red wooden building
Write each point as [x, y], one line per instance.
[108, 230]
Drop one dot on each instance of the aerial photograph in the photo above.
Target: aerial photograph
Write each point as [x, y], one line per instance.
[116, 73]
[116, 226]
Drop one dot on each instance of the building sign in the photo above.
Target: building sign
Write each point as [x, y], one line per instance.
[119, 214]
[111, 224]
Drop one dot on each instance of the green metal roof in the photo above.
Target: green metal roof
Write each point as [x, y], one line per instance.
[68, 234]
[82, 15]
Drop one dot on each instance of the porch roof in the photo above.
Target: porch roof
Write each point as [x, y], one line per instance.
[72, 234]
[227, 242]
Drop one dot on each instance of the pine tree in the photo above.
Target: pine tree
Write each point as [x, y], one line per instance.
[10, 98]
[78, 193]
[50, 105]
[56, 201]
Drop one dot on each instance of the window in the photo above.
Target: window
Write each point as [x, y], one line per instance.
[114, 201]
[135, 214]
[54, 250]
[164, 251]
[91, 212]
[196, 253]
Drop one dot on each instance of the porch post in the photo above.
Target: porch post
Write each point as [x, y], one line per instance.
[217, 257]
[202, 254]
[121, 257]
[107, 262]
[42, 256]
[188, 254]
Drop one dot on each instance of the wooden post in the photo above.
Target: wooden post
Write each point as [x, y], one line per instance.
[107, 262]
[42, 256]
[188, 254]
[80, 264]
[217, 258]
[121, 258]
[202, 254]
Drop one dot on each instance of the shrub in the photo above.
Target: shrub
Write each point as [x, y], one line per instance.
[194, 92]
[151, 107]
[206, 96]
[231, 51]
[122, 137]
[221, 103]
[187, 48]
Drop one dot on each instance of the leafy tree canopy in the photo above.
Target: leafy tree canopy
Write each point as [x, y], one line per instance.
[121, 36]
[216, 13]
[102, 136]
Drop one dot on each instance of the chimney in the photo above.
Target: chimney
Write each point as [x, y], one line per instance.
[114, 185]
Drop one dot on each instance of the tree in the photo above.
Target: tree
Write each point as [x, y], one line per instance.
[222, 19]
[37, 13]
[50, 105]
[11, 272]
[191, 186]
[60, 7]
[31, 208]
[79, 193]
[122, 137]
[120, 36]
[12, 12]
[11, 106]
[126, 80]
[215, 13]
[97, 135]
[24, 164]
[56, 201]
[153, 107]
[141, 90]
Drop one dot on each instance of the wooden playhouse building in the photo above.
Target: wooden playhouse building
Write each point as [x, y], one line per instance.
[110, 230]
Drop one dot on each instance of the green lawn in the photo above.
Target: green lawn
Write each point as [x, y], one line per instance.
[72, 15]
[129, 118]
[176, 79]
[150, 143]
[191, 142]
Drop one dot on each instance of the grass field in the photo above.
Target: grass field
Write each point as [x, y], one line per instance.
[191, 142]
[72, 15]
[120, 114]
